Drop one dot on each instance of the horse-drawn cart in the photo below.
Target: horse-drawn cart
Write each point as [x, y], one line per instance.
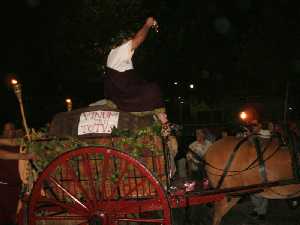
[92, 174]
[111, 177]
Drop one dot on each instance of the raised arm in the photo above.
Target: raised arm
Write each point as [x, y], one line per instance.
[141, 35]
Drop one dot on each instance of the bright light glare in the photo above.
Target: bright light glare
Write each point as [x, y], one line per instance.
[192, 86]
[243, 115]
[14, 81]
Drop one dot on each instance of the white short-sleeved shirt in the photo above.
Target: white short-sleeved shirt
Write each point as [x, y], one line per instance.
[120, 58]
[199, 148]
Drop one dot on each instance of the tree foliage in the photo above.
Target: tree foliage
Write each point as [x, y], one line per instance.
[84, 30]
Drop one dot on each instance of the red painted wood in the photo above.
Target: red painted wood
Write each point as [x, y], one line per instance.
[101, 183]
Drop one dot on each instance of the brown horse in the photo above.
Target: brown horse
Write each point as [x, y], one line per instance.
[244, 170]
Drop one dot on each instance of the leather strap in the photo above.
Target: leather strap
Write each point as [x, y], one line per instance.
[260, 159]
[229, 161]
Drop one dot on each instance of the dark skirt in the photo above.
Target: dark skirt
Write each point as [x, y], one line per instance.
[9, 192]
[130, 93]
[8, 203]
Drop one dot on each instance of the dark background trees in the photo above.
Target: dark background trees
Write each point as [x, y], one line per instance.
[231, 51]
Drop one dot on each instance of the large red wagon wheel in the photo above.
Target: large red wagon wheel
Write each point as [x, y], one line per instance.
[96, 185]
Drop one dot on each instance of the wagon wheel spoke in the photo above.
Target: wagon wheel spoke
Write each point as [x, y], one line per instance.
[123, 171]
[68, 207]
[77, 182]
[134, 188]
[88, 172]
[60, 218]
[47, 188]
[104, 170]
[98, 185]
[76, 200]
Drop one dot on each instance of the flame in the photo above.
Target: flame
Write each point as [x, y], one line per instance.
[14, 81]
[68, 100]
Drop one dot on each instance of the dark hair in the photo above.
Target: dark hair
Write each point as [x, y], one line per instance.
[264, 125]
[119, 38]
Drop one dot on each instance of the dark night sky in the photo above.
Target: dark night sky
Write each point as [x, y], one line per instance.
[238, 47]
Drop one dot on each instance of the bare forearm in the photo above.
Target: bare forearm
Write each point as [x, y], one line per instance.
[140, 36]
[143, 32]
[13, 156]
[9, 141]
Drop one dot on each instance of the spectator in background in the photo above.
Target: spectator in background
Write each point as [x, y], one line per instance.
[9, 130]
[224, 133]
[209, 135]
[265, 130]
[260, 207]
[260, 203]
[10, 183]
[197, 151]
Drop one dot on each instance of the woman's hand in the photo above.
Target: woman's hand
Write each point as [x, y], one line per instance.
[151, 22]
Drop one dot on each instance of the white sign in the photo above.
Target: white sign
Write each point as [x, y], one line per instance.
[97, 122]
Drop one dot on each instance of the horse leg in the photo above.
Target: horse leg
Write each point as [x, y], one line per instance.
[222, 207]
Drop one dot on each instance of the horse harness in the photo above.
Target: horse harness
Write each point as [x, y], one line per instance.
[259, 152]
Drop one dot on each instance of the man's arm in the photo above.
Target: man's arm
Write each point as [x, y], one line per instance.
[9, 141]
[141, 35]
[15, 156]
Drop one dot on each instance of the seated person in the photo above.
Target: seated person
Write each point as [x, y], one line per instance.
[122, 85]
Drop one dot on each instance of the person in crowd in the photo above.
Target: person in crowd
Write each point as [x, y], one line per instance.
[260, 203]
[255, 127]
[10, 183]
[224, 133]
[243, 131]
[265, 130]
[197, 149]
[294, 135]
[278, 133]
[293, 127]
[260, 207]
[209, 135]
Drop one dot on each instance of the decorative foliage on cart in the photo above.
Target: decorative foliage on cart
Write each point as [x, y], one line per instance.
[138, 143]
[143, 144]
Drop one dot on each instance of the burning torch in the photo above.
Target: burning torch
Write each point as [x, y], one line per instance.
[69, 104]
[18, 92]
